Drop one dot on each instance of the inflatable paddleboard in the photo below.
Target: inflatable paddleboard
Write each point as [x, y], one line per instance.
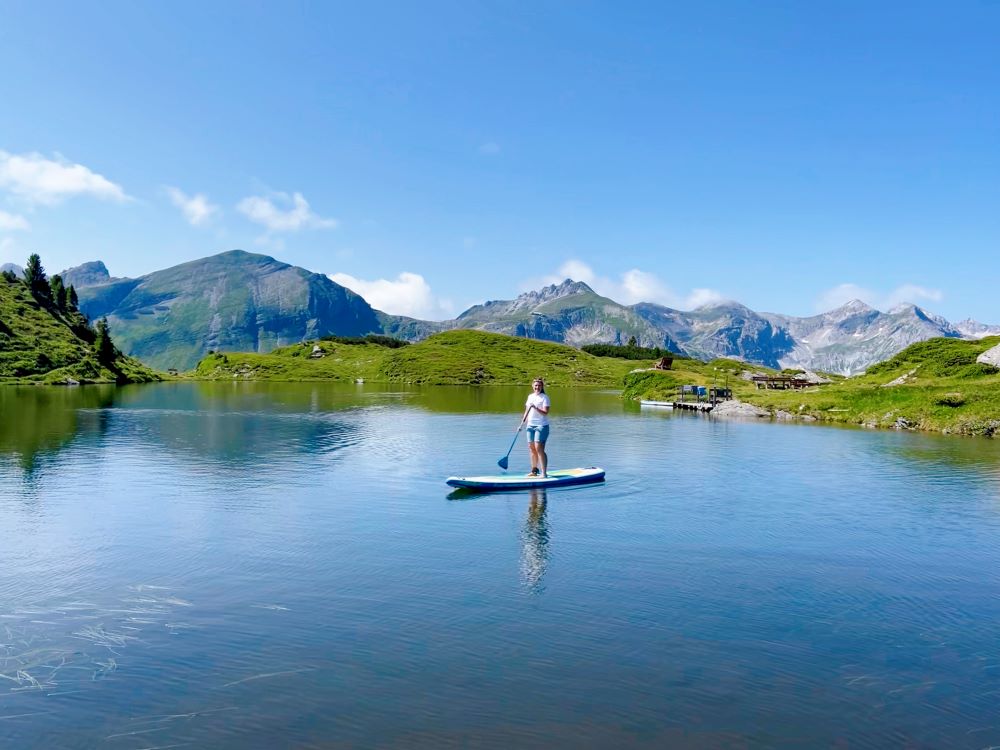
[520, 482]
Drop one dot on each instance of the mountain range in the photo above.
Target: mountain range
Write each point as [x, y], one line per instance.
[239, 301]
[235, 301]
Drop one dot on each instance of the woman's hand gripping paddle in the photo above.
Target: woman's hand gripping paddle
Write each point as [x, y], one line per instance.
[502, 463]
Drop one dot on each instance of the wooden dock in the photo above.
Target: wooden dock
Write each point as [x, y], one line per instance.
[705, 406]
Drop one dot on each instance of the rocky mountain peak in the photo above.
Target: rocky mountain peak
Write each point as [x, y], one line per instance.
[908, 308]
[854, 307]
[92, 273]
[855, 311]
[553, 291]
[527, 301]
[724, 306]
[976, 330]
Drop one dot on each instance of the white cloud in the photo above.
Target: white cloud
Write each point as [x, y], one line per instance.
[38, 179]
[489, 149]
[196, 208]
[267, 212]
[578, 271]
[634, 285]
[641, 286]
[408, 294]
[13, 222]
[844, 293]
[698, 297]
[912, 293]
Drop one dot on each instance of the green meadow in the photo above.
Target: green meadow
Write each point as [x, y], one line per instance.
[449, 358]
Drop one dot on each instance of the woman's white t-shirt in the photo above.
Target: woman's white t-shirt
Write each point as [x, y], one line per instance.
[535, 417]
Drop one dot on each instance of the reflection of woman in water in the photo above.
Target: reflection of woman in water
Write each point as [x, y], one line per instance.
[535, 542]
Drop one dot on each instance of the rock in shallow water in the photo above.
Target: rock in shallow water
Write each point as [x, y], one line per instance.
[739, 409]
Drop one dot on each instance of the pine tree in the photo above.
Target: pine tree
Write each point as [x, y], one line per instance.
[73, 302]
[34, 277]
[103, 346]
[58, 292]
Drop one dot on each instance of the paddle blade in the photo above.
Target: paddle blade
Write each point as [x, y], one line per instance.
[502, 463]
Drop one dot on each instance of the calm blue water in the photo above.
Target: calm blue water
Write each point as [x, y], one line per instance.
[278, 566]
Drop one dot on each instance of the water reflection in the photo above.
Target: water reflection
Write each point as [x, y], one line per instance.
[826, 592]
[535, 543]
[238, 421]
[229, 423]
[37, 422]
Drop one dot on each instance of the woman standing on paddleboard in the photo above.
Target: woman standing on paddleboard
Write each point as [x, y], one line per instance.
[536, 417]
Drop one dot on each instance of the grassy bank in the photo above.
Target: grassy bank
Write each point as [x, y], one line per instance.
[449, 358]
[934, 385]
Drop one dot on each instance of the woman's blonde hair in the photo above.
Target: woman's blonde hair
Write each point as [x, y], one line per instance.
[541, 383]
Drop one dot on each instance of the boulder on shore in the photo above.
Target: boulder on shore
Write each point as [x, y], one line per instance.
[738, 409]
[990, 356]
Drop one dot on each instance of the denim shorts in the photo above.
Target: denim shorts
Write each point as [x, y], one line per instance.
[537, 434]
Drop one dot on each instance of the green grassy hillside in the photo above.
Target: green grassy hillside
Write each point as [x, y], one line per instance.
[234, 300]
[933, 385]
[449, 358]
[38, 343]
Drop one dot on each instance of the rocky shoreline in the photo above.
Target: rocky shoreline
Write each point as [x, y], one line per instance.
[735, 409]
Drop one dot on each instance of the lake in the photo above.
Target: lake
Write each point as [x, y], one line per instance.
[233, 565]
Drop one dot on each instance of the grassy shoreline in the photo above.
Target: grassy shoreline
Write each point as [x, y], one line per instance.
[935, 385]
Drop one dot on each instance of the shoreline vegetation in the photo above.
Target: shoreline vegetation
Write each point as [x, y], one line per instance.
[934, 385]
[46, 340]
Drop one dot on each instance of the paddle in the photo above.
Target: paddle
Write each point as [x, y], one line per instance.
[502, 463]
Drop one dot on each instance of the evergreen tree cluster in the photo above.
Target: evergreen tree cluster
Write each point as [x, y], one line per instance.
[53, 294]
[628, 352]
[372, 338]
[49, 292]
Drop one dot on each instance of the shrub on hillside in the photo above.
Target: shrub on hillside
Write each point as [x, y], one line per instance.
[940, 357]
[951, 399]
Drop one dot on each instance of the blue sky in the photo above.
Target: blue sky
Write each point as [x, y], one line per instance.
[435, 155]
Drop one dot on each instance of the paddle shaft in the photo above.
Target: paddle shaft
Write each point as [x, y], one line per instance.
[503, 461]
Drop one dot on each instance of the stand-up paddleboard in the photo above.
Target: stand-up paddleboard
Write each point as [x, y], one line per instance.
[559, 478]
